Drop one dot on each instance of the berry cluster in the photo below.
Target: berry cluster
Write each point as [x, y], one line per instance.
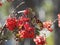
[40, 40]
[26, 34]
[22, 20]
[26, 30]
[11, 23]
[47, 25]
[59, 20]
[23, 25]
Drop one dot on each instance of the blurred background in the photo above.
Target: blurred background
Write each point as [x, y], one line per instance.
[47, 10]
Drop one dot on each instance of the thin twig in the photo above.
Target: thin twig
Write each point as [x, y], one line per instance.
[18, 6]
[54, 21]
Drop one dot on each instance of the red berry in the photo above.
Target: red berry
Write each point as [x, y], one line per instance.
[32, 35]
[50, 29]
[26, 19]
[26, 25]
[59, 20]
[59, 16]
[20, 24]
[0, 4]
[23, 34]
[26, 12]
[30, 29]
